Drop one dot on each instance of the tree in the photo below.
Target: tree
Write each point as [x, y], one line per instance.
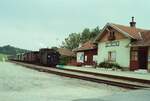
[72, 41]
[95, 32]
[85, 35]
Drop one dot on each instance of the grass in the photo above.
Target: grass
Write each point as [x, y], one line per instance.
[3, 56]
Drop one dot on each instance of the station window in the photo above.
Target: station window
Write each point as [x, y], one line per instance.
[112, 56]
[111, 36]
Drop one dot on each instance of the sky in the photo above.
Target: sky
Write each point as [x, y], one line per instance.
[34, 24]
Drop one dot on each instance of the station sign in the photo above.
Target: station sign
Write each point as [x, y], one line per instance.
[112, 43]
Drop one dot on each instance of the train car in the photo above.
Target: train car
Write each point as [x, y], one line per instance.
[16, 57]
[33, 57]
[26, 57]
[45, 56]
[12, 57]
[22, 57]
[49, 57]
[19, 56]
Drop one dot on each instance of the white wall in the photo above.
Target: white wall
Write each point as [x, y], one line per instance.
[122, 52]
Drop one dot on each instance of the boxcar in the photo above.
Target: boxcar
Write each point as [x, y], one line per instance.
[22, 57]
[26, 57]
[33, 57]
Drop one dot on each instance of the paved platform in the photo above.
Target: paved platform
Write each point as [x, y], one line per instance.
[145, 76]
[137, 95]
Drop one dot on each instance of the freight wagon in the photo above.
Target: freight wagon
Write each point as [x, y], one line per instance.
[33, 57]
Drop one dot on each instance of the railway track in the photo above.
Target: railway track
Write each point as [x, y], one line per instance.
[131, 79]
[128, 83]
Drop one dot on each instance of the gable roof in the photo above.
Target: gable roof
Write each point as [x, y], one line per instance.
[130, 32]
[65, 52]
[145, 41]
[89, 45]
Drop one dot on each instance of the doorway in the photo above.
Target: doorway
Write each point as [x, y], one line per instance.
[143, 57]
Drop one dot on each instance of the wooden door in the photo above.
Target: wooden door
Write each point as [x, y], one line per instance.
[142, 57]
[88, 58]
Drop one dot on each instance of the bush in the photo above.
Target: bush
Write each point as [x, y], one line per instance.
[63, 60]
[116, 65]
[106, 64]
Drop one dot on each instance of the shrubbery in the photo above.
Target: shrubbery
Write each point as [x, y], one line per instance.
[106, 64]
[63, 60]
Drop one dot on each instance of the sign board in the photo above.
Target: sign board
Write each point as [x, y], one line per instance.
[80, 57]
[112, 43]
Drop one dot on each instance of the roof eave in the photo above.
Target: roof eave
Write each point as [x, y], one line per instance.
[121, 31]
[85, 49]
[115, 27]
[96, 39]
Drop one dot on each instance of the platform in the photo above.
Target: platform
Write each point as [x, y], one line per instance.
[131, 74]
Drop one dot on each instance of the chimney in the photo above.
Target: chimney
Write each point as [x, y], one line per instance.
[132, 23]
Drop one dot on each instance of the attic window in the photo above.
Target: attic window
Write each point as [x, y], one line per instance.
[111, 36]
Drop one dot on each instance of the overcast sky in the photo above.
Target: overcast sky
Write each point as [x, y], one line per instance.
[32, 24]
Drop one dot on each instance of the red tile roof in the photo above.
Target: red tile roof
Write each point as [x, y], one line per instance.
[142, 36]
[89, 45]
[132, 31]
[145, 40]
[65, 52]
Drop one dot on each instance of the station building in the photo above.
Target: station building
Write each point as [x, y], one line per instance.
[86, 54]
[128, 46]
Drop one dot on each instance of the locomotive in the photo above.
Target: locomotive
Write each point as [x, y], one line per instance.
[45, 56]
[49, 57]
